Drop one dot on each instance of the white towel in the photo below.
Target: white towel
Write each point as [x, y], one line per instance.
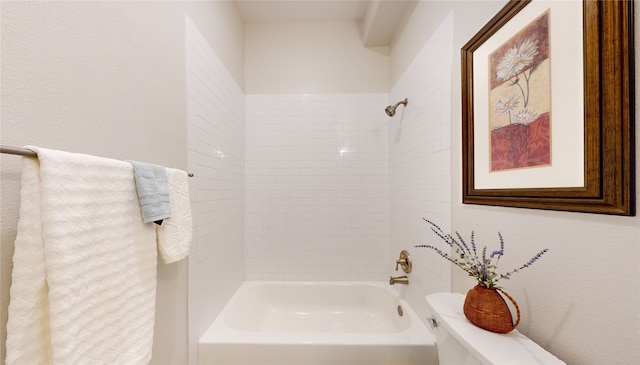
[174, 235]
[84, 270]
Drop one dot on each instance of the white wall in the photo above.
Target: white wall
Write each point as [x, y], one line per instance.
[317, 202]
[592, 270]
[317, 187]
[419, 164]
[312, 58]
[220, 24]
[108, 79]
[215, 106]
[417, 28]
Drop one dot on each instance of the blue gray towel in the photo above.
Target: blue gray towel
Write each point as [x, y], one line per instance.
[153, 191]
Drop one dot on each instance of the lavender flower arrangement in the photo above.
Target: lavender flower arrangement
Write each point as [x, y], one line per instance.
[481, 265]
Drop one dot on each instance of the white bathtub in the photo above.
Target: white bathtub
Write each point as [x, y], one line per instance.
[317, 323]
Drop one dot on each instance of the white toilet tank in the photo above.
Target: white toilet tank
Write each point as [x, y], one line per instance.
[461, 343]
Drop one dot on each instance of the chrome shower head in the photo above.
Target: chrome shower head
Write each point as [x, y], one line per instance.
[391, 109]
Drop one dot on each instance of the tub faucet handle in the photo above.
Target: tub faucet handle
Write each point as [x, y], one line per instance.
[404, 261]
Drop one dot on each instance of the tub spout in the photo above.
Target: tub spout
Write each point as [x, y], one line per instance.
[404, 280]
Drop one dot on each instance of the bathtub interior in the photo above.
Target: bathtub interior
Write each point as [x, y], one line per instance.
[324, 307]
[318, 323]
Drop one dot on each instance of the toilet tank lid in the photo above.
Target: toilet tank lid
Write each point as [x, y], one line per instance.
[490, 348]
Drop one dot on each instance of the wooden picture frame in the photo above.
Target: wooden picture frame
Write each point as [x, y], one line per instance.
[607, 157]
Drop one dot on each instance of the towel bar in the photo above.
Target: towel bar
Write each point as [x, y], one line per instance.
[25, 152]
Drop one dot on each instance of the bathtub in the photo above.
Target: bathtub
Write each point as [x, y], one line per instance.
[317, 323]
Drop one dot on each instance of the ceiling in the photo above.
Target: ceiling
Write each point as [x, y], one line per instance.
[378, 20]
[301, 10]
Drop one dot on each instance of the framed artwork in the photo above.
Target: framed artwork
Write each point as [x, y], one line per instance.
[547, 108]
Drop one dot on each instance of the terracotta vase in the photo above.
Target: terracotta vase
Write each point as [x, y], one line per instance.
[487, 309]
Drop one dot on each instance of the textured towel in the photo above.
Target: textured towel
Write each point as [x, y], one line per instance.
[153, 192]
[84, 266]
[174, 236]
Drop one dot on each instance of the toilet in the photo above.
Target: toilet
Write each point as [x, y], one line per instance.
[461, 343]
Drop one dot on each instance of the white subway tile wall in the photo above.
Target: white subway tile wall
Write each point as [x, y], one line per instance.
[317, 204]
[216, 156]
[420, 164]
